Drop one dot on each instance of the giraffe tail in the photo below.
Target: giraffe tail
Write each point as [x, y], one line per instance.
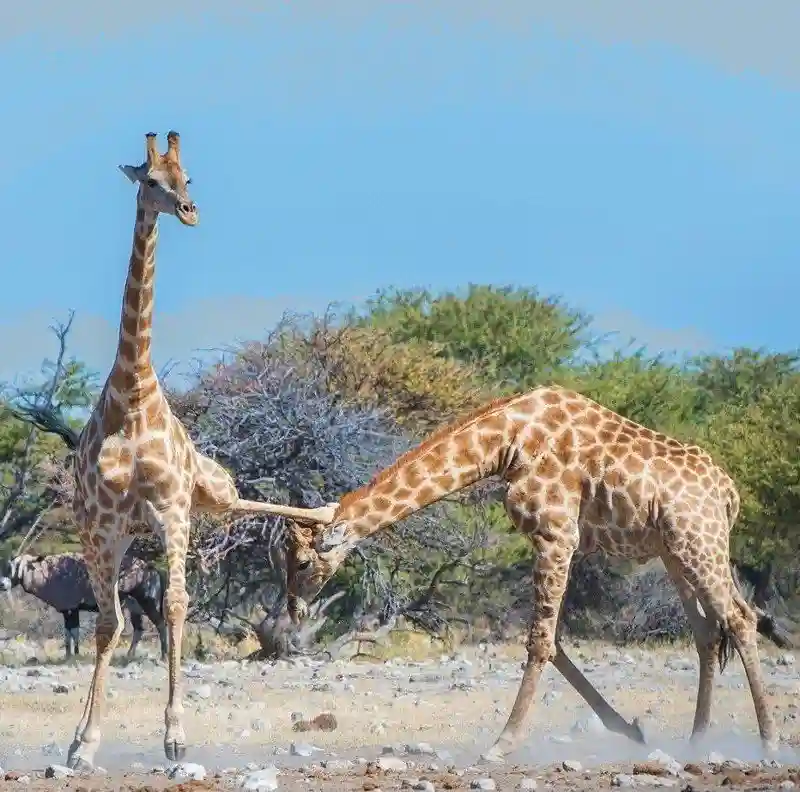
[48, 419]
[766, 624]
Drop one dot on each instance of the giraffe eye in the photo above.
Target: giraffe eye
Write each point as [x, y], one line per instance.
[304, 564]
[152, 183]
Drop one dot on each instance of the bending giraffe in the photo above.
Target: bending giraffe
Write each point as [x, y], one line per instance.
[136, 470]
[578, 477]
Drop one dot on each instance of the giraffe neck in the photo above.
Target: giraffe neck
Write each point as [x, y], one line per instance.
[132, 378]
[447, 462]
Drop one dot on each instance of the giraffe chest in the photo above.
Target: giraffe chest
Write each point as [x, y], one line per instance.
[150, 466]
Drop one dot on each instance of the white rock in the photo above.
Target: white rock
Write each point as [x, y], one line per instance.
[301, 749]
[572, 765]
[787, 784]
[786, 659]
[527, 785]
[265, 780]
[485, 784]
[424, 786]
[58, 771]
[672, 766]
[623, 780]
[419, 748]
[391, 763]
[187, 771]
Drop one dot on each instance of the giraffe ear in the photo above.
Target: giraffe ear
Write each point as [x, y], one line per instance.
[334, 537]
[135, 174]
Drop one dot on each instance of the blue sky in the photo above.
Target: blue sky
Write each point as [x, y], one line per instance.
[644, 165]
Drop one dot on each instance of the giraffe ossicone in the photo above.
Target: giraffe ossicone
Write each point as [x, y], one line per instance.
[579, 478]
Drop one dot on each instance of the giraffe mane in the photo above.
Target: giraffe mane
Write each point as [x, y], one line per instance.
[431, 440]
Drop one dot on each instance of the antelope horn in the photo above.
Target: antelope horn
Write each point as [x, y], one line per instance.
[323, 514]
[152, 148]
[173, 145]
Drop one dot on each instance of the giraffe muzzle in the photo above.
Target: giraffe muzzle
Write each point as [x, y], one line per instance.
[298, 609]
[186, 212]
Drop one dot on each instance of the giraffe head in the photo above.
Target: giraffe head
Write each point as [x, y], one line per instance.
[163, 183]
[314, 552]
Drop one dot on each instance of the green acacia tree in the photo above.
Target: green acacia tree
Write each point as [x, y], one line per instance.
[512, 335]
[759, 445]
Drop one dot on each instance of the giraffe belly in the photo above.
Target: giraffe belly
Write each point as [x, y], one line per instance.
[635, 542]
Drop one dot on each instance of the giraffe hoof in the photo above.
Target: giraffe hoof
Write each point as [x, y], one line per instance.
[493, 756]
[174, 751]
[80, 765]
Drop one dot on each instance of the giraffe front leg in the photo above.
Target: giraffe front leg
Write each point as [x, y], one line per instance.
[609, 717]
[174, 527]
[555, 539]
[105, 582]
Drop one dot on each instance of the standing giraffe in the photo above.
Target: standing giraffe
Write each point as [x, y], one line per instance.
[136, 469]
[578, 477]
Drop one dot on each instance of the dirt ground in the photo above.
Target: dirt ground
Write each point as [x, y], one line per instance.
[435, 716]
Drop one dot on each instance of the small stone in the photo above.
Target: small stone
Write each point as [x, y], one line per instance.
[23, 779]
[735, 764]
[52, 749]
[623, 780]
[391, 763]
[60, 688]
[258, 725]
[588, 725]
[572, 766]
[527, 785]
[786, 659]
[187, 771]
[58, 771]
[201, 692]
[419, 748]
[485, 784]
[424, 786]
[715, 758]
[646, 779]
[301, 749]
[787, 784]
[672, 766]
[265, 780]
[336, 764]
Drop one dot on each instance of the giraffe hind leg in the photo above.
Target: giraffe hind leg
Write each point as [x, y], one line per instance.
[214, 489]
[173, 525]
[736, 622]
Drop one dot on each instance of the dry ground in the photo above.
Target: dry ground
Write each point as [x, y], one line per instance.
[240, 714]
